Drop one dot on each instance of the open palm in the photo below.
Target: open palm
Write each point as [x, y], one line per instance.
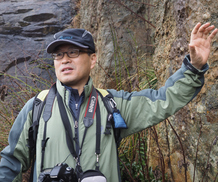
[200, 44]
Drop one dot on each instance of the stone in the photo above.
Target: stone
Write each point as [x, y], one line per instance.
[112, 24]
[26, 28]
[179, 18]
[120, 36]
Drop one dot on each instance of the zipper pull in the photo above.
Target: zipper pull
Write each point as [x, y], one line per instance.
[76, 124]
[76, 106]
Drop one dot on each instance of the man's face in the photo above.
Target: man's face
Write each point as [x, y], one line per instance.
[74, 72]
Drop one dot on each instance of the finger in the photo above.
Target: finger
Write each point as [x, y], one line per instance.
[207, 30]
[212, 35]
[204, 27]
[196, 28]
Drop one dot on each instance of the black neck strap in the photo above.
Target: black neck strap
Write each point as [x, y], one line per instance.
[98, 135]
[66, 122]
[91, 108]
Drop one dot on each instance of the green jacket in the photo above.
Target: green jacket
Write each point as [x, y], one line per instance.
[139, 109]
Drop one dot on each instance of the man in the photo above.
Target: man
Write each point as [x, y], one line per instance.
[74, 56]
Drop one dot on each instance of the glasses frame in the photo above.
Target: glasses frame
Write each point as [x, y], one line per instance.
[63, 53]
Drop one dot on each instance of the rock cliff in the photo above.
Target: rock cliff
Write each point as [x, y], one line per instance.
[26, 27]
[196, 124]
[121, 35]
[189, 145]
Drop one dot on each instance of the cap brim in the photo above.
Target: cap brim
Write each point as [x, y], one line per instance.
[51, 47]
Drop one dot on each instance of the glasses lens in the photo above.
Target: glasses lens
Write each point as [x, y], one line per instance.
[58, 55]
[73, 53]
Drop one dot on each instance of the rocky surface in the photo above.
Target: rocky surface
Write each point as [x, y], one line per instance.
[117, 28]
[26, 28]
[121, 35]
[196, 124]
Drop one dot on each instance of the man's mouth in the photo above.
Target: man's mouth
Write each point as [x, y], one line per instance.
[66, 69]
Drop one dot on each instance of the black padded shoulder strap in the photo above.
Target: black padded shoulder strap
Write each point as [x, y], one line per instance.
[38, 105]
[49, 103]
[46, 116]
[66, 122]
[33, 130]
[110, 105]
[106, 98]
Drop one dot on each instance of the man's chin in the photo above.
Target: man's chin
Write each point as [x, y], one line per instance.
[68, 83]
[74, 83]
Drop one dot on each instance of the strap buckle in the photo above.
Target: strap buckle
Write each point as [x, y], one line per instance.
[97, 157]
[113, 103]
[77, 161]
[97, 161]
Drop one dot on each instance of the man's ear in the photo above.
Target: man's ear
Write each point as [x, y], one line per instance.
[93, 58]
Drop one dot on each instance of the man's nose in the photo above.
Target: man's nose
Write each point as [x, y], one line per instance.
[66, 58]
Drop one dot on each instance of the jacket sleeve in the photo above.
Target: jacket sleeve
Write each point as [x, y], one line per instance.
[149, 107]
[15, 157]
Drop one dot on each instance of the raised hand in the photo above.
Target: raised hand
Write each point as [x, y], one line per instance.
[200, 44]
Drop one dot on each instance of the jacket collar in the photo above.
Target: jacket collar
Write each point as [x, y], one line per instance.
[65, 94]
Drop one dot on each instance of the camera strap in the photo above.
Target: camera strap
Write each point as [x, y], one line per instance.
[89, 114]
[91, 109]
[66, 122]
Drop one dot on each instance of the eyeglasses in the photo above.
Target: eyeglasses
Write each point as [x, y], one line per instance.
[73, 53]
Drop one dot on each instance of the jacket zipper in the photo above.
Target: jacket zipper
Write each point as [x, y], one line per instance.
[75, 124]
[76, 138]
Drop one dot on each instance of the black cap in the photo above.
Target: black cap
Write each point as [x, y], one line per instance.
[79, 37]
